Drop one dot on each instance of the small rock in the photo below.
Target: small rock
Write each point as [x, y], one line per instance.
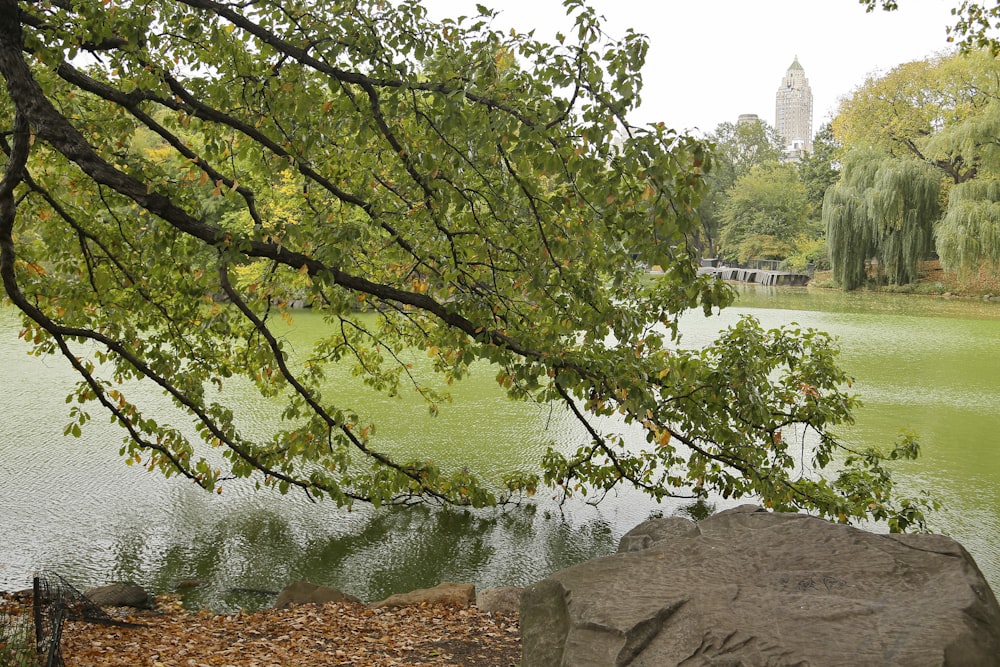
[304, 592]
[449, 593]
[119, 595]
[505, 600]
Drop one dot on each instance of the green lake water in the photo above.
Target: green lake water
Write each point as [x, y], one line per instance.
[72, 506]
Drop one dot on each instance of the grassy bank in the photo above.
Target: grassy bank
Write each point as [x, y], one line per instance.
[933, 281]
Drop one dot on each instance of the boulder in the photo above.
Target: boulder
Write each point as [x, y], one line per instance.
[748, 587]
[119, 595]
[304, 592]
[460, 595]
[505, 600]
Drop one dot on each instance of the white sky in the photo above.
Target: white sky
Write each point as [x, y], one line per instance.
[711, 60]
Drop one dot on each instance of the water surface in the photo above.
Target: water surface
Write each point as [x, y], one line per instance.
[72, 506]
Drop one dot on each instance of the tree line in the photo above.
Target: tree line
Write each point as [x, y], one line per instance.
[906, 171]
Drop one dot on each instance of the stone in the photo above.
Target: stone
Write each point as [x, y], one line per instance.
[119, 595]
[304, 592]
[447, 593]
[504, 600]
[650, 532]
[748, 587]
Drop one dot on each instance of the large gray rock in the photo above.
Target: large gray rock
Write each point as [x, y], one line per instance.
[748, 587]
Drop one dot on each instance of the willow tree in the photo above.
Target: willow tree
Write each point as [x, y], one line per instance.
[480, 193]
[943, 111]
[968, 236]
[880, 216]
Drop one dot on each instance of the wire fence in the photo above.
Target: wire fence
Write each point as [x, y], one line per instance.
[31, 626]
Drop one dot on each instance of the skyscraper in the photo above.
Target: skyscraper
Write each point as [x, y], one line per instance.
[793, 112]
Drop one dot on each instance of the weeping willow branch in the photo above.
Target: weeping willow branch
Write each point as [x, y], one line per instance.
[882, 211]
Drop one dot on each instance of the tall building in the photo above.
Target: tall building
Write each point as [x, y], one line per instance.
[793, 112]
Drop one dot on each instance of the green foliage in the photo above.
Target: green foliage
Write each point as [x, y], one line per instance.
[821, 168]
[914, 110]
[17, 641]
[810, 252]
[969, 234]
[739, 147]
[742, 146]
[882, 210]
[943, 112]
[765, 213]
[161, 206]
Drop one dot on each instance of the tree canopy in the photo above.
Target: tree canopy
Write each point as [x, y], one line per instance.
[765, 213]
[944, 112]
[742, 146]
[821, 168]
[739, 147]
[914, 109]
[178, 171]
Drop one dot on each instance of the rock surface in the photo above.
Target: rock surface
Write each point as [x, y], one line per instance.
[748, 587]
[304, 592]
[119, 595]
[648, 533]
[448, 593]
[506, 599]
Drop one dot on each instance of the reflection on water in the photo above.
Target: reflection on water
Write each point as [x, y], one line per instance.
[72, 506]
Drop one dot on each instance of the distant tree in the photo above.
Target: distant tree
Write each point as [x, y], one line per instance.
[742, 146]
[945, 112]
[766, 212]
[821, 168]
[907, 111]
[739, 147]
[883, 211]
